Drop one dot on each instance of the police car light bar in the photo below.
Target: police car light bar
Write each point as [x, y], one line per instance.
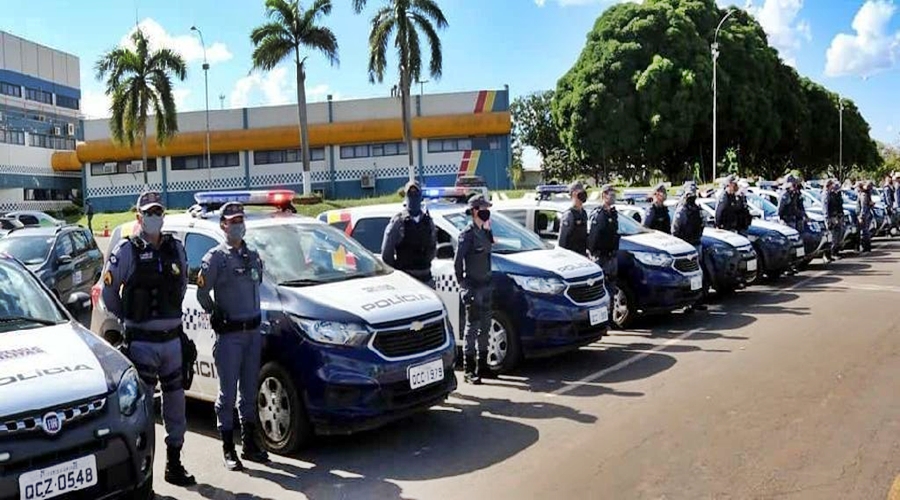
[460, 194]
[278, 197]
[552, 188]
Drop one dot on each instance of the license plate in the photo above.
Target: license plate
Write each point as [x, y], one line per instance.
[751, 265]
[59, 479]
[598, 316]
[426, 374]
[696, 282]
[801, 251]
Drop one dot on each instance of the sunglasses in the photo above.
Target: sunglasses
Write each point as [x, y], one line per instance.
[158, 211]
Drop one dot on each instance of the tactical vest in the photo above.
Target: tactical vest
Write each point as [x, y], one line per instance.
[153, 291]
[835, 205]
[658, 219]
[692, 230]
[577, 241]
[608, 237]
[414, 241]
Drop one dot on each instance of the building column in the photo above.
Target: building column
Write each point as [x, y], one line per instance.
[246, 120]
[331, 166]
[419, 143]
[162, 165]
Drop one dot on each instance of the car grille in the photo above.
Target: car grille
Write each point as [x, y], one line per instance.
[687, 264]
[409, 342]
[67, 414]
[583, 293]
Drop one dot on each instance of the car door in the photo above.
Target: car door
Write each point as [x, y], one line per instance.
[82, 275]
[63, 256]
[196, 320]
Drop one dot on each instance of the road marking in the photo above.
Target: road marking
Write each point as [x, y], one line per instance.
[868, 288]
[894, 494]
[571, 386]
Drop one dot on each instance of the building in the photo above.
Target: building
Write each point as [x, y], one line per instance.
[39, 102]
[356, 149]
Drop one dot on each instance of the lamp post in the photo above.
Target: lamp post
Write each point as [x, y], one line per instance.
[206, 92]
[421, 86]
[840, 133]
[715, 57]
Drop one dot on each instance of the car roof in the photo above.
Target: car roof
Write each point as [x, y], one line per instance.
[389, 209]
[26, 231]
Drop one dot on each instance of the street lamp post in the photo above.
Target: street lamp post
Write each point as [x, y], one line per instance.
[421, 86]
[841, 134]
[206, 91]
[715, 57]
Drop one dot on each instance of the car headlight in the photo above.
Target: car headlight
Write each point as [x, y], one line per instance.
[129, 392]
[333, 332]
[773, 238]
[723, 250]
[656, 259]
[549, 286]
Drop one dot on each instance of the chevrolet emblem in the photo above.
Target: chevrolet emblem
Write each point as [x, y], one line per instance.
[591, 282]
[416, 326]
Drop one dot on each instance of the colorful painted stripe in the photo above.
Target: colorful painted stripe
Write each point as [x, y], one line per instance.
[469, 163]
[485, 101]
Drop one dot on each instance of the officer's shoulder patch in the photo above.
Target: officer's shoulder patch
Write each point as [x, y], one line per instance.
[108, 278]
[113, 260]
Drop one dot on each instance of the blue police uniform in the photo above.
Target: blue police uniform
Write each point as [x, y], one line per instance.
[153, 281]
[410, 238]
[864, 205]
[833, 208]
[603, 245]
[232, 273]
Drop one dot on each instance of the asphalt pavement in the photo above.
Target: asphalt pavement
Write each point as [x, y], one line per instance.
[784, 391]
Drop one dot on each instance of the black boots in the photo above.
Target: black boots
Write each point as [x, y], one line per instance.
[229, 454]
[470, 369]
[484, 370]
[251, 450]
[175, 473]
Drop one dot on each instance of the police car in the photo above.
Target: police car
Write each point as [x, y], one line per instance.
[812, 201]
[349, 344]
[816, 239]
[74, 417]
[546, 300]
[658, 273]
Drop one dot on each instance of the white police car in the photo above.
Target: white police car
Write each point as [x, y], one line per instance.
[74, 418]
[546, 300]
[349, 344]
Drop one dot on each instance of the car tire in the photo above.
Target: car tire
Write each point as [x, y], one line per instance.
[773, 275]
[623, 318]
[283, 423]
[513, 344]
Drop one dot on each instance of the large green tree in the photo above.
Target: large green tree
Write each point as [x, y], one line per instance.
[404, 22]
[139, 81]
[289, 31]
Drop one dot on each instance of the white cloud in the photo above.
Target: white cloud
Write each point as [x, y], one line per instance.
[872, 49]
[779, 20]
[575, 3]
[270, 88]
[188, 45]
[94, 104]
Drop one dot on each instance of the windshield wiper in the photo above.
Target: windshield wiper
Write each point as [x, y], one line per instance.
[28, 319]
[301, 282]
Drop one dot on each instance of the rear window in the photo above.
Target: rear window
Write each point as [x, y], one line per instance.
[28, 249]
[370, 233]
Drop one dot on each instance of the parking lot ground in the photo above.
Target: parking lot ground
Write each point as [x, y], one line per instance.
[786, 390]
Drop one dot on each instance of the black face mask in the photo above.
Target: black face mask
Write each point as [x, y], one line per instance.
[484, 215]
[582, 196]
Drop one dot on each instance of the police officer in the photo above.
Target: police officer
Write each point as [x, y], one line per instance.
[727, 208]
[790, 205]
[864, 205]
[89, 211]
[742, 208]
[473, 273]
[656, 216]
[833, 208]
[887, 197]
[603, 240]
[150, 268]
[688, 226]
[896, 205]
[410, 239]
[573, 226]
[232, 271]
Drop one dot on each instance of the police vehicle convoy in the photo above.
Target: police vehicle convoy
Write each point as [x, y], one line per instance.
[816, 239]
[348, 343]
[658, 273]
[545, 300]
[74, 417]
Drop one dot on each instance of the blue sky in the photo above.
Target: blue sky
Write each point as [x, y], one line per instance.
[851, 46]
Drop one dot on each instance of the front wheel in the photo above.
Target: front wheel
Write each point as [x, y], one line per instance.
[504, 345]
[283, 423]
[623, 312]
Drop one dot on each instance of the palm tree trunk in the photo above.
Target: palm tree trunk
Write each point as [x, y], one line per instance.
[144, 153]
[407, 119]
[304, 129]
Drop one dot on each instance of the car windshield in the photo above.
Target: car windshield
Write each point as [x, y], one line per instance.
[765, 206]
[509, 237]
[849, 193]
[24, 303]
[309, 254]
[28, 249]
[630, 227]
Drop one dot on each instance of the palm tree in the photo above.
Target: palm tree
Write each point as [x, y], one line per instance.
[289, 29]
[405, 18]
[137, 80]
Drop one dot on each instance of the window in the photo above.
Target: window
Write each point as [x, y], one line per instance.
[358, 151]
[81, 242]
[10, 89]
[64, 246]
[286, 156]
[546, 224]
[196, 162]
[29, 220]
[196, 246]
[66, 102]
[12, 137]
[121, 167]
[444, 245]
[39, 95]
[389, 149]
[449, 145]
[520, 216]
[52, 142]
[370, 233]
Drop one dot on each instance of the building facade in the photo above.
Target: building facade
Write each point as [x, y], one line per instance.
[356, 148]
[39, 114]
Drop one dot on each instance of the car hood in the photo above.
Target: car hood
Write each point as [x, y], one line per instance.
[656, 240]
[775, 226]
[374, 300]
[47, 367]
[560, 262]
[728, 237]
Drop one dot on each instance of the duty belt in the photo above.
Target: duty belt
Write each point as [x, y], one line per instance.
[157, 336]
[231, 326]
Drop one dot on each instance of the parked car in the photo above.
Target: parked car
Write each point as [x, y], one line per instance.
[815, 236]
[8, 224]
[546, 300]
[75, 420]
[349, 344]
[65, 258]
[34, 218]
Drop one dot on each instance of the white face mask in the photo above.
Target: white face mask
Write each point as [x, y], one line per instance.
[235, 232]
[152, 224]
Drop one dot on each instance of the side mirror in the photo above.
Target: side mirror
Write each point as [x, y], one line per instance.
[64, 259]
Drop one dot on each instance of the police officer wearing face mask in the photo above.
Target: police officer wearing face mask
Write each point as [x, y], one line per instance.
[232, 271]
[688, 226]
[727, 209]
[833, 208]
[887, 197]
[150, 268]
[657, 215]
[410, 239]
[742, 208]
[603, 240]
[864, 206]
[473, 273]
[573, 226]
[790, 205]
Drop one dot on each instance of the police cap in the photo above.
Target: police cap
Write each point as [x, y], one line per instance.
[478, 201]
[576, 186]
[148, 200]
[231, 210]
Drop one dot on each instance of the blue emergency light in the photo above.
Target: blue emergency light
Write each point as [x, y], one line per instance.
[458, 194]
[210, 201]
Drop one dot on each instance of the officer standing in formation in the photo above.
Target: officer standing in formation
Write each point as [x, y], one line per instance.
[727, 206]
[688, 226]
[895, 221]
[790, 205]
[864, 205]
[887, 197]
[833, 209]
[151, 270]
[233, 272]
[603, 240]
[742, 208]
[473, 273]
[410, 239]
[573, 226]
[656, 216]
